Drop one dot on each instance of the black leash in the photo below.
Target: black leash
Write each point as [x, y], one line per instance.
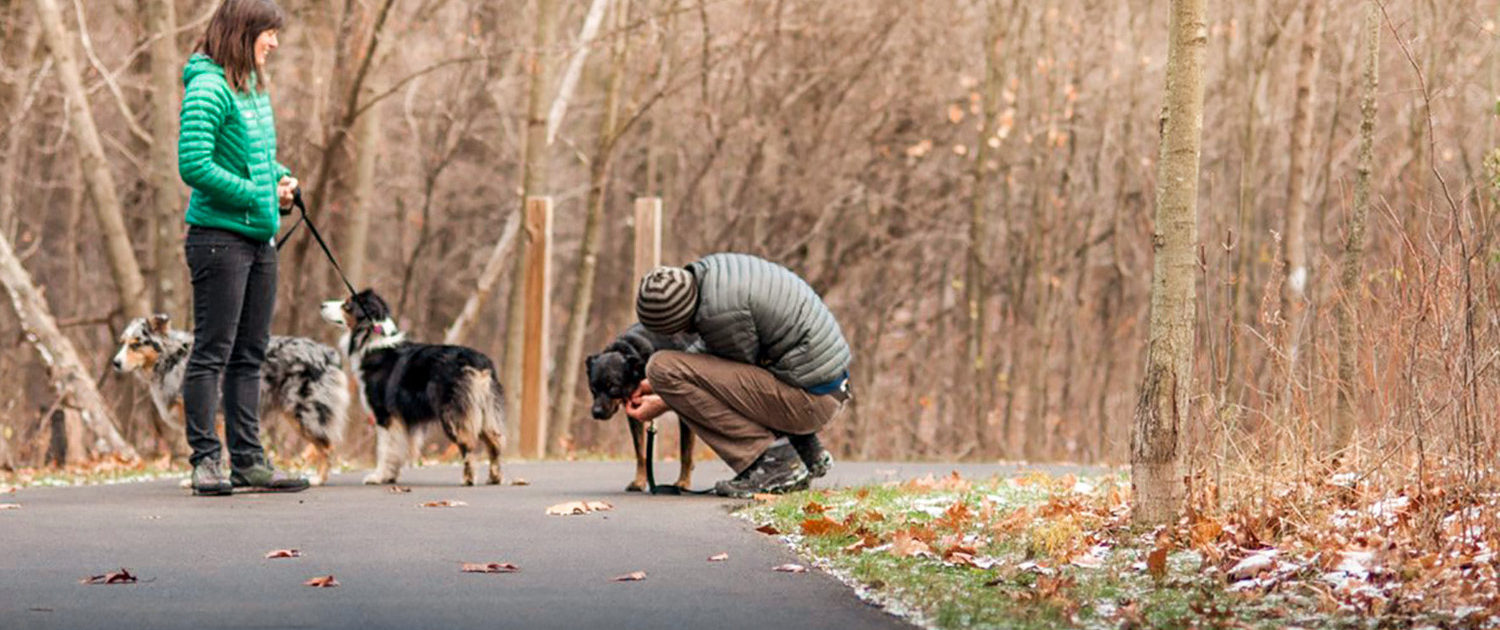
[651, 469]
[302, 209]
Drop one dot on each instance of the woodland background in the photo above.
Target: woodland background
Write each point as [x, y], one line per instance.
[968, 183]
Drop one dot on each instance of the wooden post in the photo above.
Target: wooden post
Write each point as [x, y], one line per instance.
[647, 238]
[534, 352]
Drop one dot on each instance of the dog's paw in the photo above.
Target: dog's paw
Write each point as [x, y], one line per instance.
[374, 479]
[494, 480]
[317, 481]
[635, 486]
[685, 484]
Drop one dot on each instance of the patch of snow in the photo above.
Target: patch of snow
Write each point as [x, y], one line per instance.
[1254, 564]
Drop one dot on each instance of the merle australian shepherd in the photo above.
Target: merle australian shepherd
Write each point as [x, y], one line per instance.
[408, 386]
[301, 380]
[614, 374]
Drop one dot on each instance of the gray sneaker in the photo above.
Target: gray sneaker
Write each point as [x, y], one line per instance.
[778, 471]
[208, 479]
[810, 449]
[263, 478]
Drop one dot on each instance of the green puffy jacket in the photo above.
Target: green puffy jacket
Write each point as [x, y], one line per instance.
[226, 151]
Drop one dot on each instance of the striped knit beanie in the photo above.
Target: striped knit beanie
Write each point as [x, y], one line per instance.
[667, 300]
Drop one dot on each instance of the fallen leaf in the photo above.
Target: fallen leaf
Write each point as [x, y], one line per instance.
[764, 497]
[517, 481]
[284, 553]
[823, 527]
[1156, 562]
[791, 568]
[904, 545]
[813, 507]
[398, 489]
[445, 503]
[578, 507]
[633, 576]
[325, 581]
[10, 506]
[489, 567]
[718, 557]
[768, 530]
[7, 489]
[123, 576]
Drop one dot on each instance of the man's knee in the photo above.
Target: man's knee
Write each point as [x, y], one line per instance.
[666, 368]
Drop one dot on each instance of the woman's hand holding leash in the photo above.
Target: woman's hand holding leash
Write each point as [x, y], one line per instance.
[284, 190]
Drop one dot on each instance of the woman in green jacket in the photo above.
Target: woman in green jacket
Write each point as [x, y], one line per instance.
[227, 153]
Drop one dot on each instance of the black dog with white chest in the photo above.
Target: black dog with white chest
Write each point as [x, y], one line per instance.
[408, 385]
[615, 373]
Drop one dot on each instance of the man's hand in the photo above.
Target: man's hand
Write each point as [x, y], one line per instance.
[284, 190]
[644, 404]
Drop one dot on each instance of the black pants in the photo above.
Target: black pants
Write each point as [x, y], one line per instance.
[234, 296]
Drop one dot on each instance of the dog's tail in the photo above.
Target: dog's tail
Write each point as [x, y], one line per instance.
[485, 399]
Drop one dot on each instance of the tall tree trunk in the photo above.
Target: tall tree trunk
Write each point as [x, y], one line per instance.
[533, 182]
[1294, 255]
[588, 258]
[166, 191]
[69, 377]
[1350, 281]
[1164, 405]
[979, 242]
[129, 283]
[356, 247]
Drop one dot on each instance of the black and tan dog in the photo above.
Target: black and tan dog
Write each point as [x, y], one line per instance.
[613, 376]
[408, 386]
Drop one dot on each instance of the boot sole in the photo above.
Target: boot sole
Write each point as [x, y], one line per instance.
[263, 490]
[212, 492]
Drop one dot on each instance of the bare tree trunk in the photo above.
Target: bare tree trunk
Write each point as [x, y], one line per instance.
[166, 191]
[69, 377]
[129, 283]
[979, 242]
[533, 182]
[356, 247]
[1294, 292]
[1166, 391]
[1350, 280]
[588, 259]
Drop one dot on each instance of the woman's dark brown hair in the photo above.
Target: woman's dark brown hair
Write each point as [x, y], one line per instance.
[230, 38]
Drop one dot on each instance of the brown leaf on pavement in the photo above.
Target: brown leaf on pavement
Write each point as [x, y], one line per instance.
[398, 489]
[517, 481]
[284, 553]
[718, 557]
[123, 576]
[768, 530]
[445, 503]
[791, 568]
[10, 506]
[572, 508]
[325, 581]
[633, 576]
[763, 497]
[489, 567]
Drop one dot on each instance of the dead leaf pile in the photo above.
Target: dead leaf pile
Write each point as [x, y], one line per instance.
[573, 508]
[791, 568]
[284, 553]
[444, 503]
[398, 490]
[633, 576]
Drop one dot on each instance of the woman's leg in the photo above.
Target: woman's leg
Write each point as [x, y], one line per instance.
[242, 375]
[219, 262]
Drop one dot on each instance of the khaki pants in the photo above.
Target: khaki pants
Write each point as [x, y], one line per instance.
[735, 407]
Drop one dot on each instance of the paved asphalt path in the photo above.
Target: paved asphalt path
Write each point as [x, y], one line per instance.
[201, 559]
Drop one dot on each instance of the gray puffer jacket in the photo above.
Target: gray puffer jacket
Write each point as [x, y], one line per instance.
[755, 311]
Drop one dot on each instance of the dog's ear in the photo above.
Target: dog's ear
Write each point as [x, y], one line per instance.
[158, 323]
[588, 362]
[634, 365]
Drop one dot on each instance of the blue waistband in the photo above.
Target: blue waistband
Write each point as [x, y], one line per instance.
[829, 387]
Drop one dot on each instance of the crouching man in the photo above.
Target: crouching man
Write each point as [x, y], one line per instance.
[772, 362]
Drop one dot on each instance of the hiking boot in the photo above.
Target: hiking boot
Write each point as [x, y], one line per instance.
[208, 479]
[778, 470]
[810, 449]
[263, 478]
